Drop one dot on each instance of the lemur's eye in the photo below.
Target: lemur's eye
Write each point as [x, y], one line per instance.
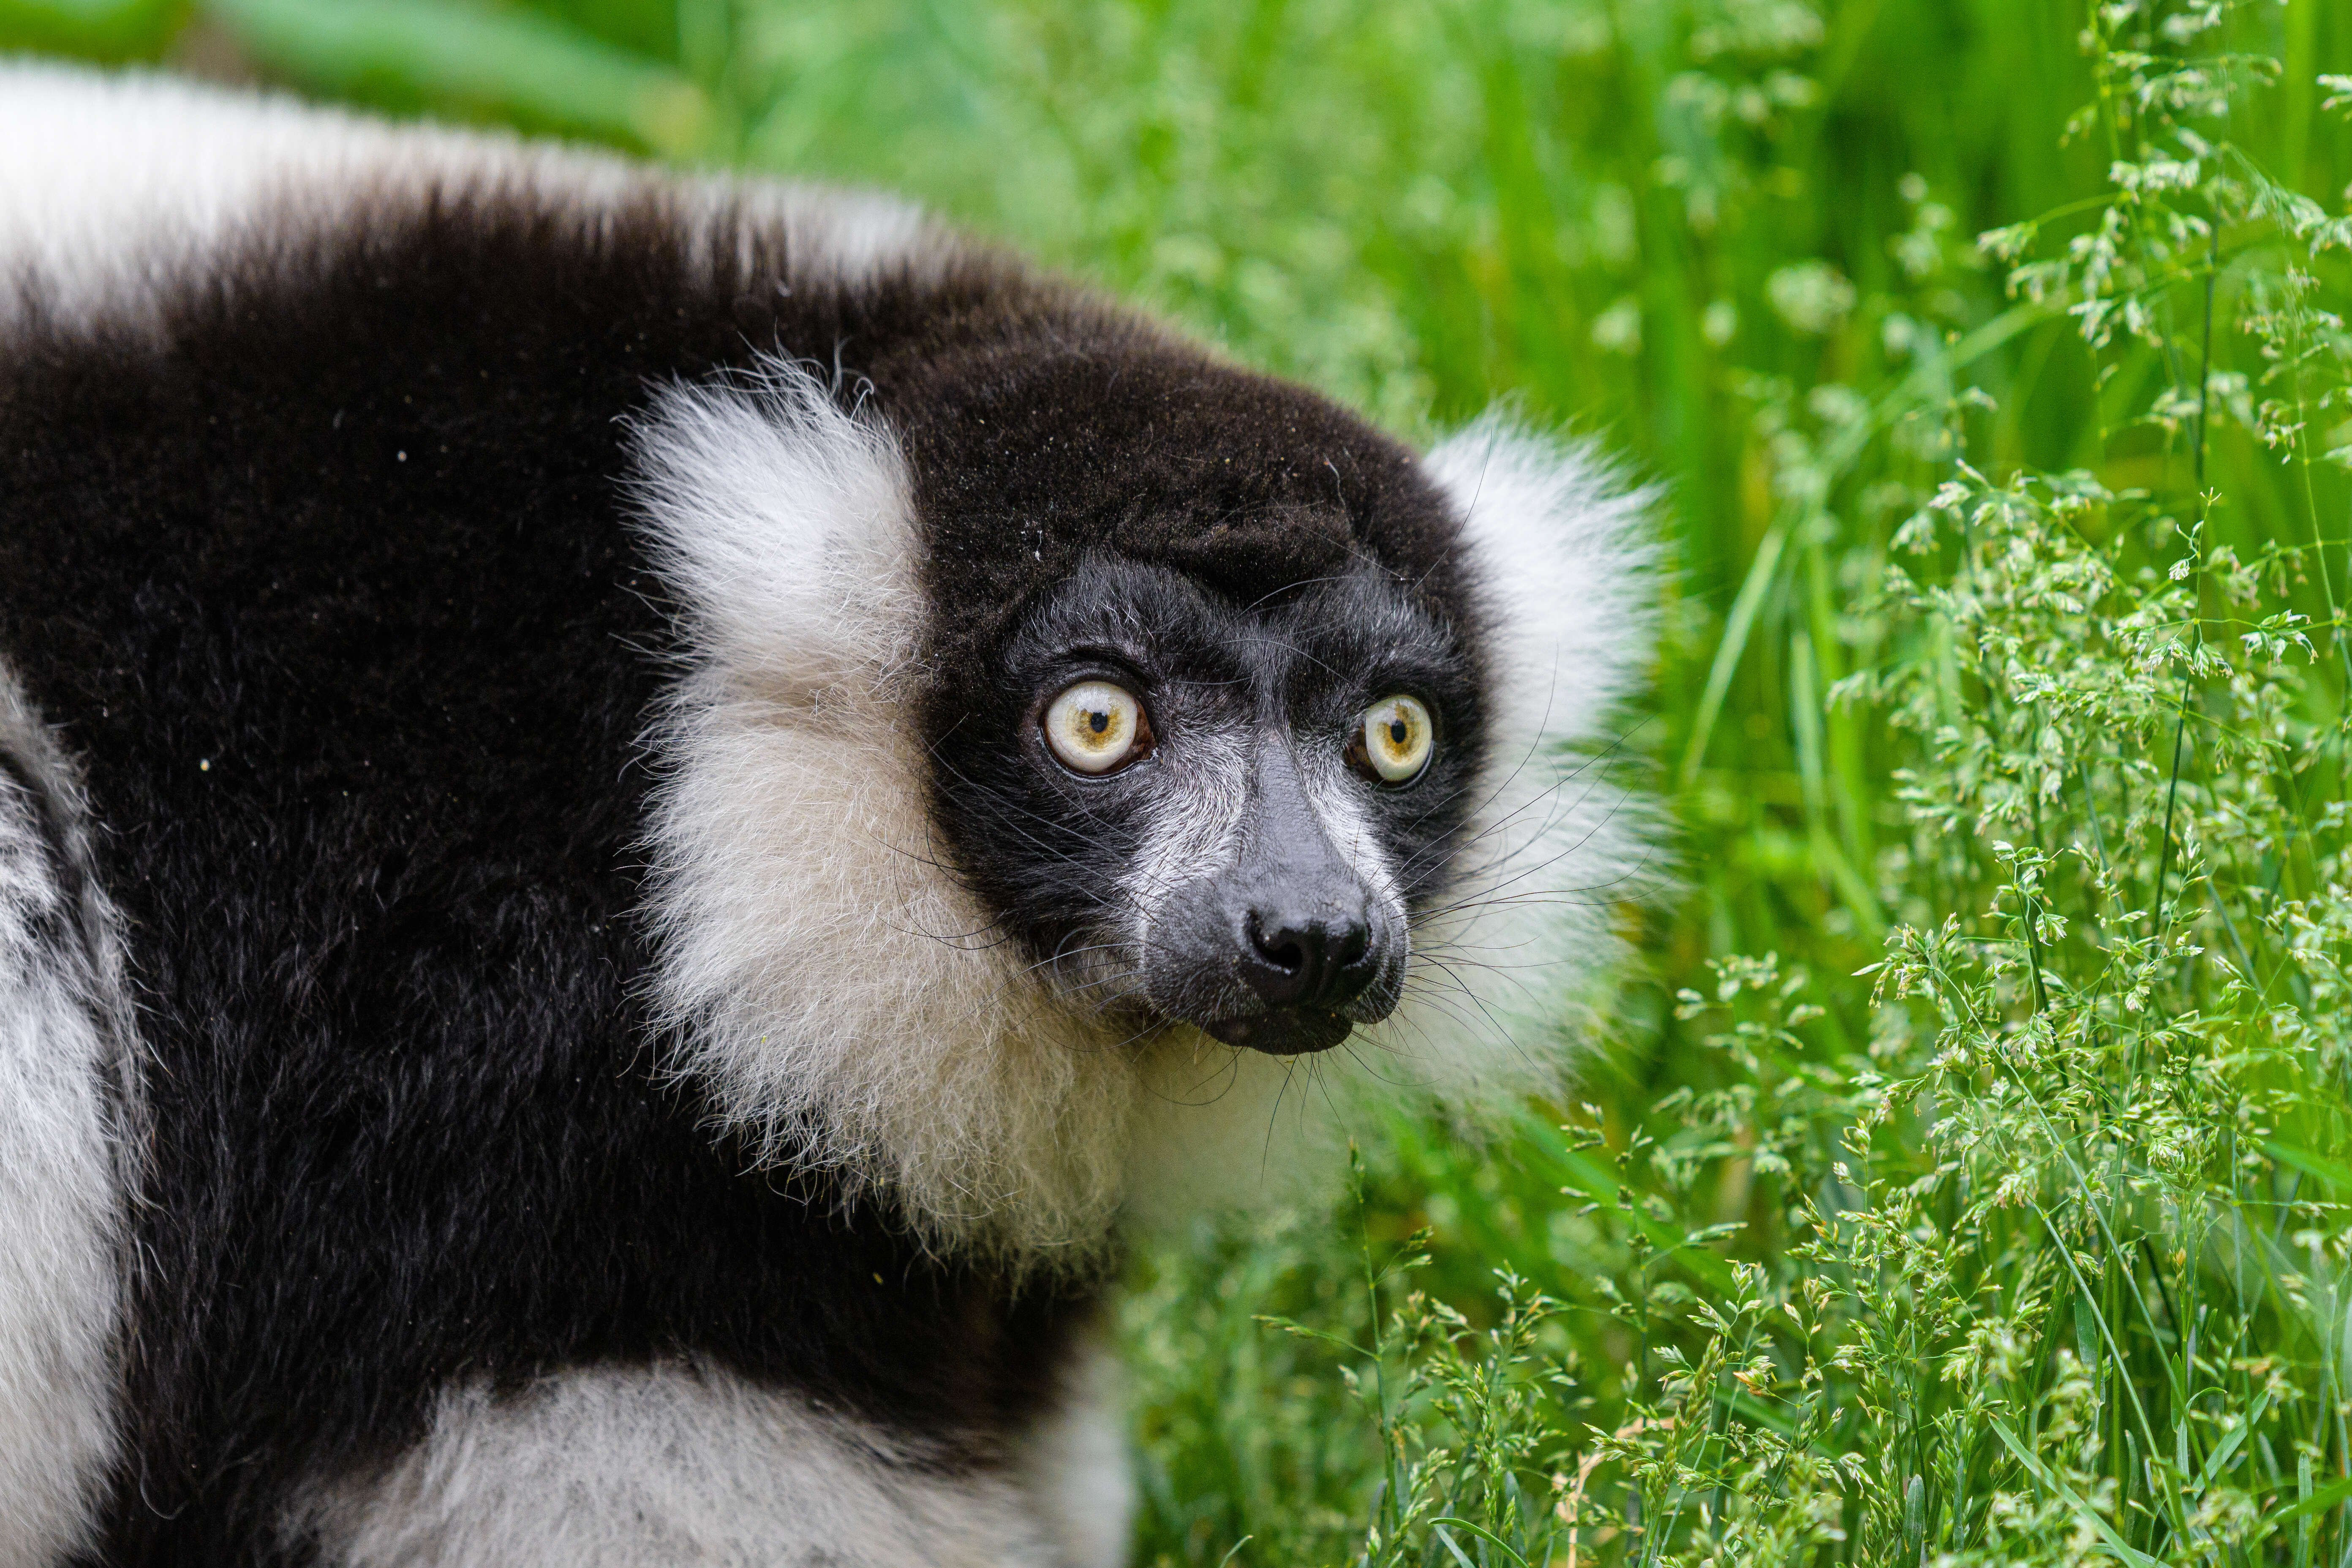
[1095, 727]
[1393, 744]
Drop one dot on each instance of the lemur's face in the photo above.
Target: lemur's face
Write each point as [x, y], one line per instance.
[1221, 758]
[1195, 808]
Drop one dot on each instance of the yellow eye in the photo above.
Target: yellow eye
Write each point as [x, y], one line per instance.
[1394, 744]
[1095, 727]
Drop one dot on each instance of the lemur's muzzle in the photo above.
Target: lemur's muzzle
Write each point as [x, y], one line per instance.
[1286, 949]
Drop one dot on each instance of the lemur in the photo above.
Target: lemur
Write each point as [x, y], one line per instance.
[641, 815]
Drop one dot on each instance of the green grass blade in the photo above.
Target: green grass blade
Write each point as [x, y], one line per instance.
[106, 29]
[508, 62]
[1481, 1531]
[2320, 1502]
[1730, 650]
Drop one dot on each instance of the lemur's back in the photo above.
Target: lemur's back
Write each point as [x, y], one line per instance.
[636, 815]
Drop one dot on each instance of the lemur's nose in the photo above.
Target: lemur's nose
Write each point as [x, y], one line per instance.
[1319, 962]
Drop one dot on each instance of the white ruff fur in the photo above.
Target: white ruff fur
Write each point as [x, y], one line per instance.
[68, 1163]
[1074, 1465]
[833, 992]
[616, 1467]
[1563, 557]
[845, 1003]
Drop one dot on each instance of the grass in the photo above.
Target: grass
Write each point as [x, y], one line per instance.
[1964, 1179]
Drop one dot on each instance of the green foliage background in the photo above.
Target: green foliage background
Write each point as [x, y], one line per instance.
[1964, 1181]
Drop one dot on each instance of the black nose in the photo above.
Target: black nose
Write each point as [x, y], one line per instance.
[1316, 963]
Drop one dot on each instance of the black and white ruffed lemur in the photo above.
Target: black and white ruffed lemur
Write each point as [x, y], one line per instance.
[638, 816]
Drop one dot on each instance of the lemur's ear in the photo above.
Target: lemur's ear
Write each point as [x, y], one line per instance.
[1558, 546]
[783, 522]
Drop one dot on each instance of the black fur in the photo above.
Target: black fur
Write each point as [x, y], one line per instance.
[333, 594]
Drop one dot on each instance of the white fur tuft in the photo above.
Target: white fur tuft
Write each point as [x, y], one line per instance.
[1074, 1466]
[68, 1160]
[1561, 552]
[114, 185]
[618, 1467]
[1564, 554]
[833, 992]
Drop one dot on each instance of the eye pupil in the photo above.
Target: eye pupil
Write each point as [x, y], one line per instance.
[1398, 731]
[1097, 721]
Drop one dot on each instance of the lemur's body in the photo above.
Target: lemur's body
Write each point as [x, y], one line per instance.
[554, 1006]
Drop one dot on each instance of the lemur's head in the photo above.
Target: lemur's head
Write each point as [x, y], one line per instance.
[1084, 732]
[1204, 708]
